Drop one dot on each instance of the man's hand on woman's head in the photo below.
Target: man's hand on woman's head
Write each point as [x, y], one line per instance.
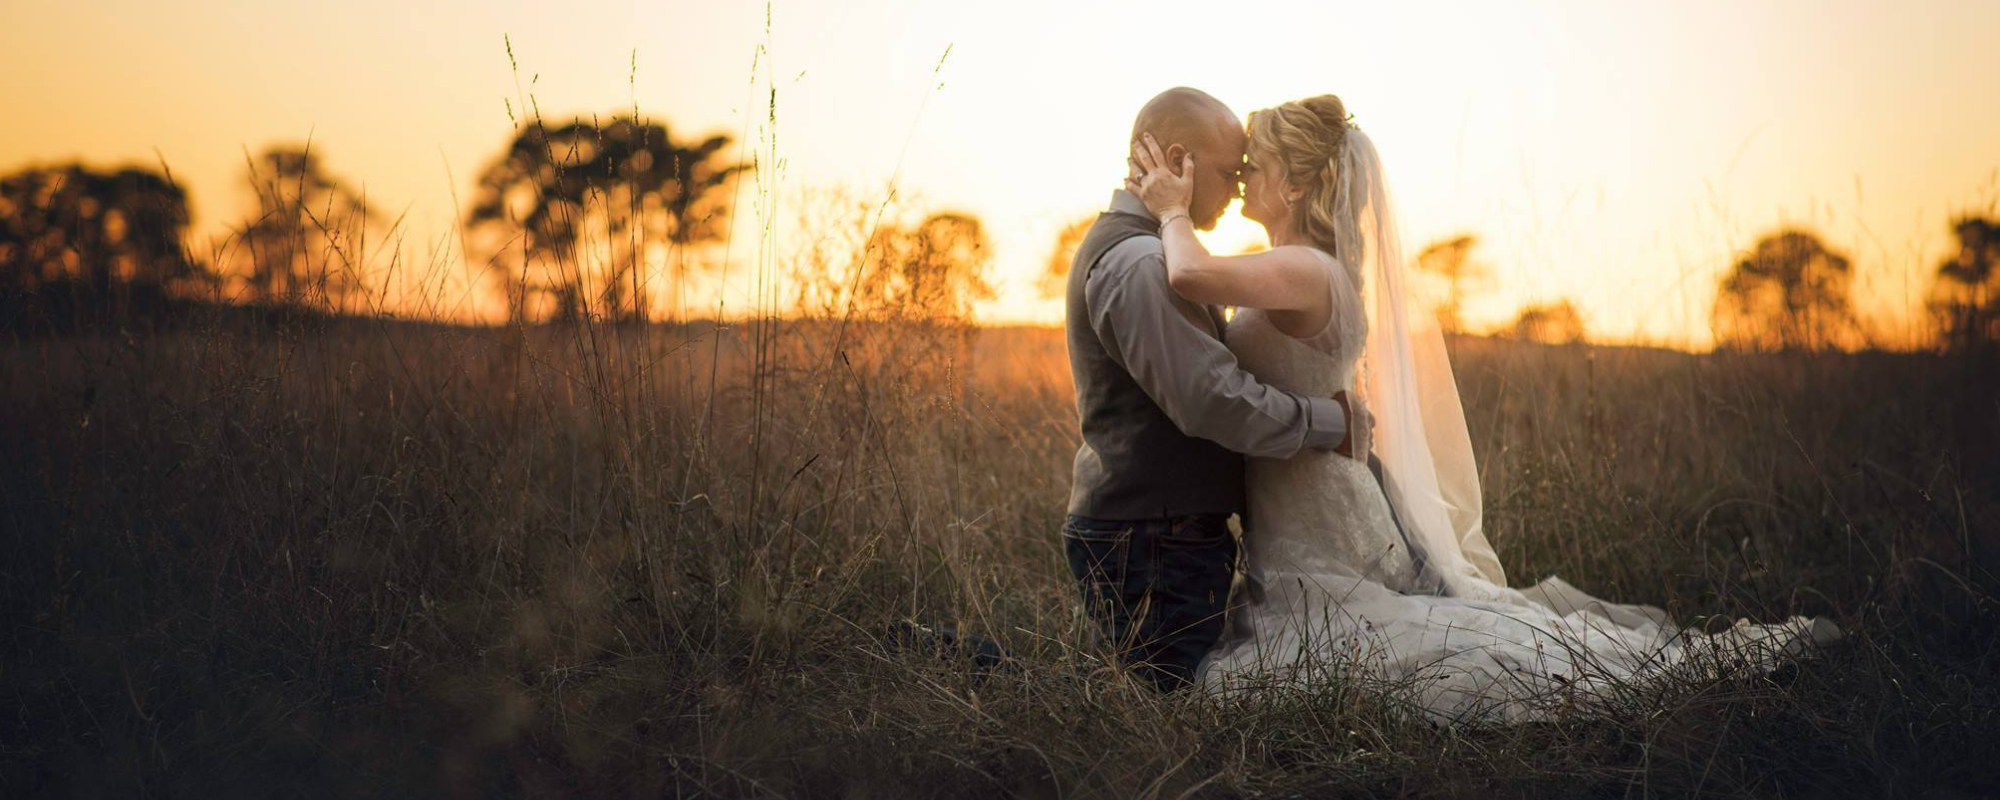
[1166, 188]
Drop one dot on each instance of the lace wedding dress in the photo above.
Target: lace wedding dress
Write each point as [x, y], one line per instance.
[1334, 590]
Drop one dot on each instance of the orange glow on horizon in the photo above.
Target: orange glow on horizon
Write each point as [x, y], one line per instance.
[1619, 156]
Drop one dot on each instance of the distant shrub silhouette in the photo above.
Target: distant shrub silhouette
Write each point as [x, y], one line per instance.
[301, 247]
[572, 212]
[1556, 323]
[899, 289]
[1965, 294]
[1054, 279]
[933, 272]
[1450, 260]
[79, 245]
[1788, 292]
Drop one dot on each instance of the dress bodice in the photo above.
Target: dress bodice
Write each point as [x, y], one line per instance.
[1317, 512]
[1314, 366]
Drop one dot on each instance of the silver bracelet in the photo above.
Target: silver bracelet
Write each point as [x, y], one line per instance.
[1179, 215]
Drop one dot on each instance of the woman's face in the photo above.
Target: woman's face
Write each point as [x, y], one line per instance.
[1263, 187]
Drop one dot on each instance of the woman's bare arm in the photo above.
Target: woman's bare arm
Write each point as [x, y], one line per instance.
[1282, 279]
[1289, 280]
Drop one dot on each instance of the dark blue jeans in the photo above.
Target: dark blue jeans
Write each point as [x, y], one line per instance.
[1155, 588]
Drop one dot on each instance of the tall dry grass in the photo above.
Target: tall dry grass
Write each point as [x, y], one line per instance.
[354, 556]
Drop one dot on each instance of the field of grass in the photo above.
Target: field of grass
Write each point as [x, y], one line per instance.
[359, 557]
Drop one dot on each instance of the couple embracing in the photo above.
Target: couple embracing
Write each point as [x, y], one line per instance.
[1323, 415]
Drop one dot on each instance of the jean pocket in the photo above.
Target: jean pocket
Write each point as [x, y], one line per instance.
[1196, 531]
[1082, 528]
[1100, 561]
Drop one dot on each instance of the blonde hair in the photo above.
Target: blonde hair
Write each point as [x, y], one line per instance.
[1306, 138]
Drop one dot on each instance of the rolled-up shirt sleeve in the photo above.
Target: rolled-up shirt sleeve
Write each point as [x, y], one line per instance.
[1162, 340]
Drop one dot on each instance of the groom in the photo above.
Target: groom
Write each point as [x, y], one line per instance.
[1165, 414]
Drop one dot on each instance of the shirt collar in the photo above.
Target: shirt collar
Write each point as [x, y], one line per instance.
[1125, 202]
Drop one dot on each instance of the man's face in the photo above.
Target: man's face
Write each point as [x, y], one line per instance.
[1218, 165]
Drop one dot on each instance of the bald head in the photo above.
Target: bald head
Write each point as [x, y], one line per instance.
[1190, 121]
[1185, 116]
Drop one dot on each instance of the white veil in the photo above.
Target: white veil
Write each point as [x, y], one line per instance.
[1406, 381]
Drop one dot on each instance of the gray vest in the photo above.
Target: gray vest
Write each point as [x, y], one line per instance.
[1135, 464]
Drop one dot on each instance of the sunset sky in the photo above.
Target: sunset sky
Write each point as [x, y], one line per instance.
[1616, 153]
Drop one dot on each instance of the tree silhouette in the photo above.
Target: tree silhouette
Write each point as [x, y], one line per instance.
[1789, 292]
[98, 240]
[932, 272]
[1451, 260]
[1054, 280]
[588, 201]
[1556, 323]
[1965, 294]
[301, 247]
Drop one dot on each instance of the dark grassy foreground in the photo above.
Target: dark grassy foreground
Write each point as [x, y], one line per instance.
[363, 558]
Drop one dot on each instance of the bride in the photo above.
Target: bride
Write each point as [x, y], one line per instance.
[1391, 581]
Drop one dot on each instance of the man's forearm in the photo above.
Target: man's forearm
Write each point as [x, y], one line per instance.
[1255, 419]
[1160, 339]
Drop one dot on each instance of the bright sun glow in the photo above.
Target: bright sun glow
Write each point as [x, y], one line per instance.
[1618, 155]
